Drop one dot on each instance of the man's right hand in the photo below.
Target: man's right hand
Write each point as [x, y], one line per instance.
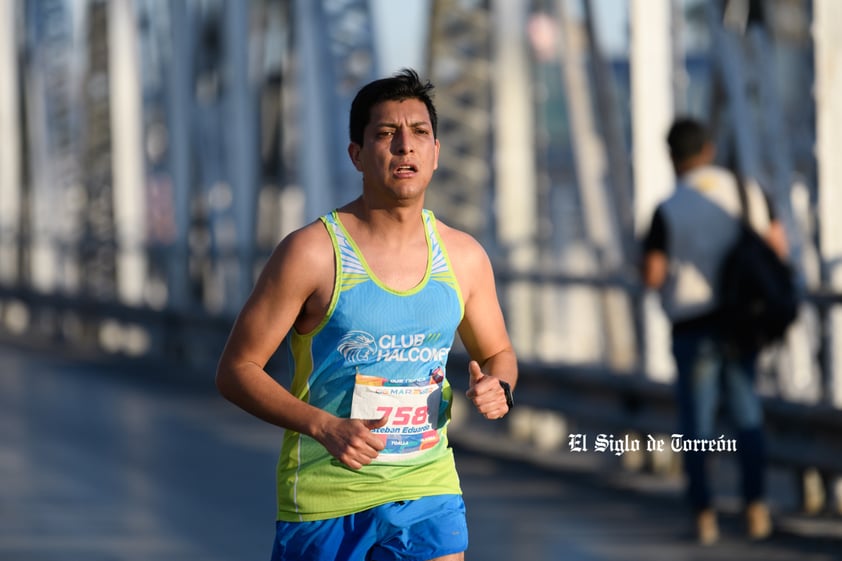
[351, 441]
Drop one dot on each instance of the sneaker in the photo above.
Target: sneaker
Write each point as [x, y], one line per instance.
[707, 528]
[758, 521]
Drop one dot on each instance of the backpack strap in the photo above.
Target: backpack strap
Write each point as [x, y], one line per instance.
[743, 194]
[742, 191]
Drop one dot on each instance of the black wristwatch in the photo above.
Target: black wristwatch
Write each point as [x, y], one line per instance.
[507, 389]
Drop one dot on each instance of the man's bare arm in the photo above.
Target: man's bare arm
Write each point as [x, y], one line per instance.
[483, 329]
[655, 266]
[290, 281]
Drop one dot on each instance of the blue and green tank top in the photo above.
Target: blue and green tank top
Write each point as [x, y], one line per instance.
[377, 352]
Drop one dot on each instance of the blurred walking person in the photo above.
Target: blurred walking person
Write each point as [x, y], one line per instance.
[684, 250]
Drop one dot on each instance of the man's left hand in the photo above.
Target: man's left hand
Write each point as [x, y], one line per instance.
[486, 393]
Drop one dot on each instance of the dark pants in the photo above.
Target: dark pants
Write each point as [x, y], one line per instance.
[707, 374]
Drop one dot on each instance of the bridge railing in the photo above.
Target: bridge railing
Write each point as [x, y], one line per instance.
[558, 400]
[554, 398]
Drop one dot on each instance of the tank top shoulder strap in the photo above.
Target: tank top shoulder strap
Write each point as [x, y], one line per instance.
[349, 264]
[441, 269]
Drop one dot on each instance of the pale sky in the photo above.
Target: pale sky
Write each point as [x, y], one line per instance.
[401, 30]
[400, 33]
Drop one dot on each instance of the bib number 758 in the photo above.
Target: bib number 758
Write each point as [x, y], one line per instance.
[404, 415]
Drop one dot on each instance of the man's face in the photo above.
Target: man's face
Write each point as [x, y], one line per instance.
[399, 152]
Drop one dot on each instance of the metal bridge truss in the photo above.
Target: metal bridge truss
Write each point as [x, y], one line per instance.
[245, 140]
[460, 65]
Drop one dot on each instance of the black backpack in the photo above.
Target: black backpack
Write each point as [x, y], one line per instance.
[758, 295]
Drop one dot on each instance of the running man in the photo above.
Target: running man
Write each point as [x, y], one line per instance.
[369, 298]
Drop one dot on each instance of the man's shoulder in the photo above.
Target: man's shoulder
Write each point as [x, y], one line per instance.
[314, 232]
[457, 240]
[714, 184]
[709, 172]
[309, 244]
[469, 259]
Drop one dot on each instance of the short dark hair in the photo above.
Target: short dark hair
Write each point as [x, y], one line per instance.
[403, 85]
[686, 138]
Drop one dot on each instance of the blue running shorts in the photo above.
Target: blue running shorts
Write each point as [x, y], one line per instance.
[417, 530]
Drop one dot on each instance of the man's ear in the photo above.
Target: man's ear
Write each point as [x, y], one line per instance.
[354, 153]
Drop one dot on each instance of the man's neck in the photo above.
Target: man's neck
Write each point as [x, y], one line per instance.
[399, 223]
[689, 165]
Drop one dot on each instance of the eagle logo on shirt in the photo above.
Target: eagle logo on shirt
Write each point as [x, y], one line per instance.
[357, 346]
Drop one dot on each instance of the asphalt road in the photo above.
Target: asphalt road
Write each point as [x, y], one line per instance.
[119, 462]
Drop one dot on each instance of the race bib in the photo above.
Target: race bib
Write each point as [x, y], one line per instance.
[412, 410]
